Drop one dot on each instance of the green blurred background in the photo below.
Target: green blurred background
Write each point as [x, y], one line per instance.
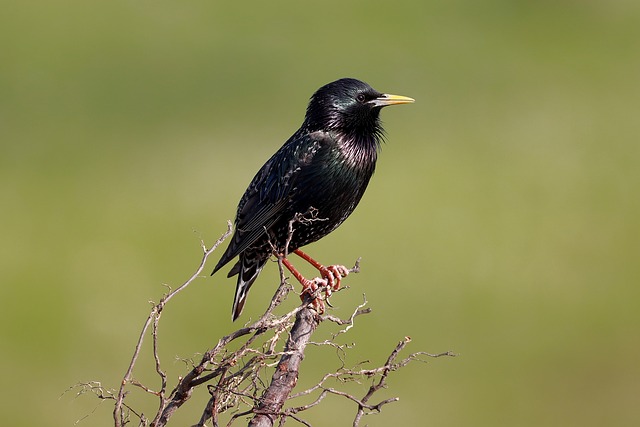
[503, 222]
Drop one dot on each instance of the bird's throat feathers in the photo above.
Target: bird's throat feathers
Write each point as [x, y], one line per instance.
[359, 151]
[359, 129]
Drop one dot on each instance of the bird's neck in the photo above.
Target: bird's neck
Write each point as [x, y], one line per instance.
[359, 151]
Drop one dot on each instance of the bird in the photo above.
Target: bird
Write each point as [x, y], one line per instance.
[310, 185]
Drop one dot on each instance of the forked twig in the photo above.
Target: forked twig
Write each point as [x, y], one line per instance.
[235, 378]
[118, 414]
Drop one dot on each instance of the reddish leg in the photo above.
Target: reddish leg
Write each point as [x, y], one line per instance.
[332, 273]
[309, 287]
[306, 283]
[331, 276]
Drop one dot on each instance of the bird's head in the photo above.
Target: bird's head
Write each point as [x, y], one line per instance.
[351, 107]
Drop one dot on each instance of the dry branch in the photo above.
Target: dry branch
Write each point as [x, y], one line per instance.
[286, 375]
[234, 379]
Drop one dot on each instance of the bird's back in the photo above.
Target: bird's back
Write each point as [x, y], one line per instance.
[314, 175]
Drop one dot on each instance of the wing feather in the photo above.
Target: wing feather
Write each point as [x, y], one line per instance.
[269, 194]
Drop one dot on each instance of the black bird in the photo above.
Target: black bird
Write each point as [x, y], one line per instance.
[320, 173]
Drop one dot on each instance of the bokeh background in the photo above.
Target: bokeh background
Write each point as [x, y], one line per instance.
[503, 222]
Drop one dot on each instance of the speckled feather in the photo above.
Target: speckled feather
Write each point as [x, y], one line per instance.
[323, 168]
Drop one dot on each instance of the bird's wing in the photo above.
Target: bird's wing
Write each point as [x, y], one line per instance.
[269, 193]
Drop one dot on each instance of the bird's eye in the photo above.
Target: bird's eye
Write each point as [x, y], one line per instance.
[361, 98]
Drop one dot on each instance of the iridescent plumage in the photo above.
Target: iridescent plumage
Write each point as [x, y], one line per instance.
[322, 170]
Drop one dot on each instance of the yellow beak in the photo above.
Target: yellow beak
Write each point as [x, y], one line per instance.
[387, 99]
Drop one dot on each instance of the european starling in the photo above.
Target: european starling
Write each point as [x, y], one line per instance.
[310, 185]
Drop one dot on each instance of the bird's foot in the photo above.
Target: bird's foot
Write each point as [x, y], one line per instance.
[328, 282]
[332, 274]
[310, 294]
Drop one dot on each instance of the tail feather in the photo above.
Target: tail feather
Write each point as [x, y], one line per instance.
[248, 269]
[234, 270]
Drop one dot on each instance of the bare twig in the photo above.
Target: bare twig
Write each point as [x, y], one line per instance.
[303, 218]
[235, 379]
[362, 405]
[118, 414]
[345, 375]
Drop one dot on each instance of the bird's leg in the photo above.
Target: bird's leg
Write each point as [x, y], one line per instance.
[309, 287]
[332, 273]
